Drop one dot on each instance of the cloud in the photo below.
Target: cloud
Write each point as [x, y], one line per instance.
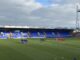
[17, 10]
[60, 13]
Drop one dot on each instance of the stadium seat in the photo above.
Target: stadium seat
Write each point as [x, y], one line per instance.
[33, 34]
[49, 35]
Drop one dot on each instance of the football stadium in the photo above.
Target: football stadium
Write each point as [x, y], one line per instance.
[39, 30]
[24, 43]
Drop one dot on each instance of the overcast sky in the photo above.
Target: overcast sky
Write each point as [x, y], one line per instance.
[47, 13]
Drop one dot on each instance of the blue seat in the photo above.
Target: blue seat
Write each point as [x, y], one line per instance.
[64, 34]
[41, 35]
[33, 34]
[50, 35]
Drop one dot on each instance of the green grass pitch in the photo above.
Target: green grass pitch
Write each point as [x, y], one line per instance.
[49, 49]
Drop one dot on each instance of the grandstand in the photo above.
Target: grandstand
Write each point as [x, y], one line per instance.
[17, 32]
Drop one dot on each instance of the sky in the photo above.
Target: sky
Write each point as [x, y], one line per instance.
[45, 13]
